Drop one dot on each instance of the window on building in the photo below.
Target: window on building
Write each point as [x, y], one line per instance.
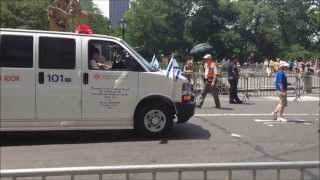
[16, 51]
[57, 53]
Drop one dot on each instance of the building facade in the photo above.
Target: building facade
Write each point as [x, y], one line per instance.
[117, 9]
[113, 9]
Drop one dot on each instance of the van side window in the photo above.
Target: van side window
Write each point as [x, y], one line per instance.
[16, 51]
[57, 53]
[106, 55]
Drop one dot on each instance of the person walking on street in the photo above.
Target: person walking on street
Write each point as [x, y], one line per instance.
[233, 77]
[281, 88]
[188, 69]
[210, 80]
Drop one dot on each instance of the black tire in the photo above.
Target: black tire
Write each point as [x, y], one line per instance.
[144, 125]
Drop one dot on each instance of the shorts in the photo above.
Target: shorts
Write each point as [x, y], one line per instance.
[283, 99]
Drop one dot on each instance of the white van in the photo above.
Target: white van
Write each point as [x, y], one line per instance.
[48, 82]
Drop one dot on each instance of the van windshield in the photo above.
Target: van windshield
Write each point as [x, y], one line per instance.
[142, 59]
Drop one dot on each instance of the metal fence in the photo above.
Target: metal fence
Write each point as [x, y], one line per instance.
[263, 85]
[303, 167]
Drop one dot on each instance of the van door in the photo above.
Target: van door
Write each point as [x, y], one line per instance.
[17, 77]
[110, 84]
[59, 78]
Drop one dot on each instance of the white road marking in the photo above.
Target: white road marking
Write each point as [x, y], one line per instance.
[270, 125]
[285, 122]
[275, 122]
[264, 120]
[270, 122]
[236, 135]
[262, 114]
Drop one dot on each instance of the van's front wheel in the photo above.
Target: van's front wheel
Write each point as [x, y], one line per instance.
[153, 120]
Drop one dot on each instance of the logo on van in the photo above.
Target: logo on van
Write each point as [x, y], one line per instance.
[9, 78]
[97, 77]
[110, 77]
[101, 77]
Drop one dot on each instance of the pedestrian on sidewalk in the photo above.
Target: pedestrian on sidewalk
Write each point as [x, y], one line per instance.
[233, 77]
[281, 88]
[210, 80]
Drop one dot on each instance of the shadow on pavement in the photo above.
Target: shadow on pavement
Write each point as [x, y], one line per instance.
[222, 108]
[187, 131]
[248, 103]
[226, 108]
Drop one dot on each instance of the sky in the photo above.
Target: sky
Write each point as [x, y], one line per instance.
[103, 6]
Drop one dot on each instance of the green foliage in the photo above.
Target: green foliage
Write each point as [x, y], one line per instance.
[270, 28]
[32, 14]
[258, 24]
[156, 24]
[99, 23]
[296, 51]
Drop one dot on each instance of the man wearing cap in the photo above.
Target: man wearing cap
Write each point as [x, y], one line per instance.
[281, 87]
[210, 78]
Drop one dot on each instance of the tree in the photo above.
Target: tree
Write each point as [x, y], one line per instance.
[258, 25]
[158, 25]
[32, 14]
[299, 22]
[99, 23]
[210, 21]
[24, 14]
[270, 28]
[296, 51]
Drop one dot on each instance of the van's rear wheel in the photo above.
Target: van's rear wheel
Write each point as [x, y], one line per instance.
[153, 120]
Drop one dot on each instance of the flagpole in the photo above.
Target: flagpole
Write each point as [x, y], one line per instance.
[172, 58]
[173, 80]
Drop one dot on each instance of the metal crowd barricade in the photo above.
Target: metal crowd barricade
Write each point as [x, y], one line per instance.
[262, 85]
[179, 169]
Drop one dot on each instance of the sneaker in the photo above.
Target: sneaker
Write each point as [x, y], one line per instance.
[282, 119]
[274, 115]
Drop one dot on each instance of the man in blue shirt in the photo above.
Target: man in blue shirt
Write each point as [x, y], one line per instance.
[281, 88]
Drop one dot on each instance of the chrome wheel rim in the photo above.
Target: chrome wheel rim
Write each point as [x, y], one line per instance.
[155, 120]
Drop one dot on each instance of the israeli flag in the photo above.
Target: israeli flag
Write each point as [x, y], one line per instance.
[173, 69]
[155, 63]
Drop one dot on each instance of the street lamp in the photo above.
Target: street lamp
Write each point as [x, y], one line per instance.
[123, 26]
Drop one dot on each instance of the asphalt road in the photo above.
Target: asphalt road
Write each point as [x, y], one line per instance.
[235, 133]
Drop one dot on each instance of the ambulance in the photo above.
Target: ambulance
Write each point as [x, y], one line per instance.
[50, 81]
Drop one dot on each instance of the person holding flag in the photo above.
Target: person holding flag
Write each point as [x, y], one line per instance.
[155, 63]
[210, 78]
[173, 69]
